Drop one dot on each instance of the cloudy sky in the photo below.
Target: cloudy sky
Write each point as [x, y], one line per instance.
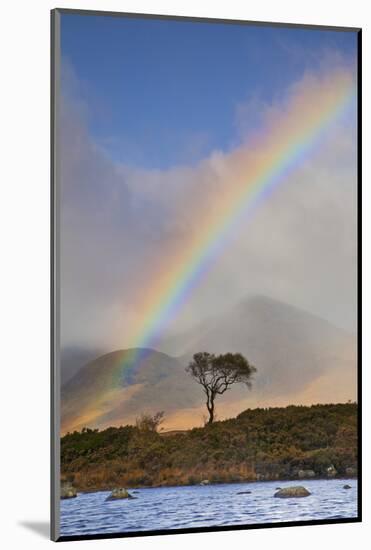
[156, 120]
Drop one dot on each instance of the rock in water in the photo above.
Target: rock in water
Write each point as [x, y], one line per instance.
[331, 471]
[292, 492]
[205, 482]
[244, 493]
[346, 487]
[68, 490]
[118, 494]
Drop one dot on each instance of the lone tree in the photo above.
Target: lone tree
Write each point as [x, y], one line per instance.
[217, 373]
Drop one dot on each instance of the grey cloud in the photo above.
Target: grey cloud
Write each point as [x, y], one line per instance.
[116, 221]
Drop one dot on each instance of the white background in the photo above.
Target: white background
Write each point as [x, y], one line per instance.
[24, 271]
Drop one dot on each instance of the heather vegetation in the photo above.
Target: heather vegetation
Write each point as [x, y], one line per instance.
[259, 444]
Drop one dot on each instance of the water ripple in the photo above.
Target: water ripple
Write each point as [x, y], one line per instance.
[206, 506]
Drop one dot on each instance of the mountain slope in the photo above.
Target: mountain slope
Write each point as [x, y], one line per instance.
[102, 393]
[300, 359]
[289, 346]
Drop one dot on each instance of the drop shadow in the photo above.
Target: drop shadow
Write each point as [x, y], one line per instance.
[42, 528]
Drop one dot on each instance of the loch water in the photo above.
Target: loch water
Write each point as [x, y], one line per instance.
[206, 506]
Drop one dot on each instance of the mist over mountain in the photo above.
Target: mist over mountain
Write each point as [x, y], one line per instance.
[290, 347]
[300, 359]
[73, 358]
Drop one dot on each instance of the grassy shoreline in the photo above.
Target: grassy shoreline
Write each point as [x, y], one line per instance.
[275, 444]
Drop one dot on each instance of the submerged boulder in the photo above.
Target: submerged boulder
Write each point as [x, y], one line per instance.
[118, 494]
[292, 492]
[244, 493]
[68, 490]
[347, 486]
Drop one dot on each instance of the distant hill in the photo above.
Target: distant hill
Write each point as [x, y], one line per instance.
[73, 358]
[100, 394]
[300, 359]
[263, 444]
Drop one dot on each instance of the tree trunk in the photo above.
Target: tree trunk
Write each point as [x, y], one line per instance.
[210, 408]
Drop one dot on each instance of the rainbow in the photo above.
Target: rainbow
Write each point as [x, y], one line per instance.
[246, 179]
[255, 171]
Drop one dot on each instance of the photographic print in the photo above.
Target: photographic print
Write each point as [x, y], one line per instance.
[205, 186]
